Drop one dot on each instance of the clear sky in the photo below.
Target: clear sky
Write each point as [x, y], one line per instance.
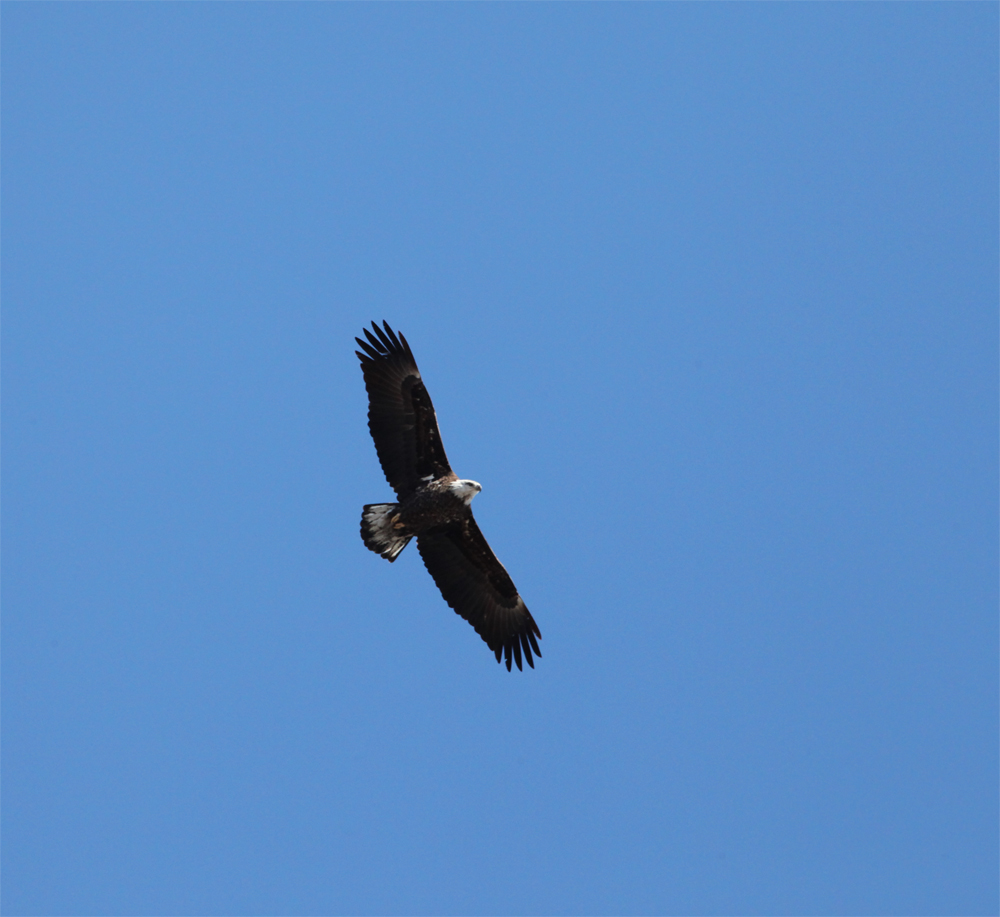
[706, 298]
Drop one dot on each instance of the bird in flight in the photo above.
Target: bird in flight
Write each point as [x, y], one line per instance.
[434, 503]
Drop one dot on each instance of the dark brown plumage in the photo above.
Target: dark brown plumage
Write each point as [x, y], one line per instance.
[434, 503]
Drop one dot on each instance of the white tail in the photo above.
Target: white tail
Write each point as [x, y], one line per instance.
[378, 531]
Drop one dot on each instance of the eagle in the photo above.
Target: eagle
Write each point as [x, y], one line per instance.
[434, 503]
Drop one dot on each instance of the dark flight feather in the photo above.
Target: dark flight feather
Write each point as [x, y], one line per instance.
[476, 585]
[400, 413]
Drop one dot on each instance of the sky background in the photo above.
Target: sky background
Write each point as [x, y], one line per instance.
[706, 298]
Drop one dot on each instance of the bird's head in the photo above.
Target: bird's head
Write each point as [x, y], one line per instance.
[465, 490]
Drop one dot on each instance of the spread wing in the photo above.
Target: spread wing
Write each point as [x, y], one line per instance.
[400, 414]
[477, 586]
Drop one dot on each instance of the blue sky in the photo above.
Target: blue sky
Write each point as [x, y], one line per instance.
[706, 298]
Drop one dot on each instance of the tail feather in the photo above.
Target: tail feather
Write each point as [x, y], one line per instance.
[378, 530]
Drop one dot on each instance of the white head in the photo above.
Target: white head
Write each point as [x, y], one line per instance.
[465, 489]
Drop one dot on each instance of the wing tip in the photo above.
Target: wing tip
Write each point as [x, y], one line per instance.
[384, 342]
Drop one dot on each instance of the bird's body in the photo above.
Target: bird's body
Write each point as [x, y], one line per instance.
[434, 503]
[387, 527]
